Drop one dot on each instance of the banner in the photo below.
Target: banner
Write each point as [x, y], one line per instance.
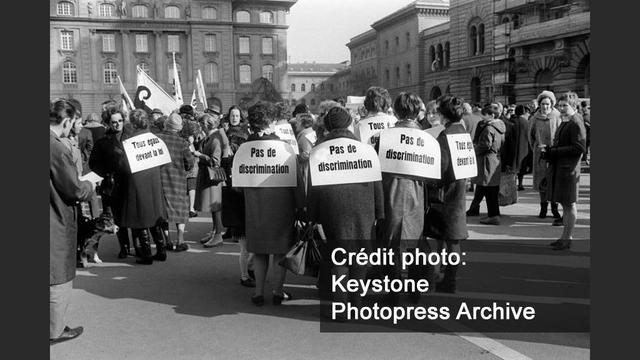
[463, 156]
[149, 95]
[193, 102]
[369, 128]
[200, 89]
[145, 151]
[264, 163]
[176, 82]
[285, 132]
[343, 161]
[411, 152]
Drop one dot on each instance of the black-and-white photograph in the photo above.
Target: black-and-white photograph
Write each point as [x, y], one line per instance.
[320, 179]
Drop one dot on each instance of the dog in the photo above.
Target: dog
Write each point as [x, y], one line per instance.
[89, 233]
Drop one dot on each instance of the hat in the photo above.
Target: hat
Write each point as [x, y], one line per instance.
[549, 94]
[173, 122]
[186, 109]
[337, 118]
[156, 111]
[213, 108]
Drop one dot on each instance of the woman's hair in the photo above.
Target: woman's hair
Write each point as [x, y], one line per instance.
[305, 120]
[139, 119]
[451, 107]
[190, 128]
[108, 111]
[519, 110]
[260, 116]
[59, 110]
[234, 107]
[209, 122]
[570, 97]
[92, 117]
[407, 105]
[488, 110]
[326, 105]
[377, 99]
[77, 105]
[159, 122]
[300, 109]
[431, 106]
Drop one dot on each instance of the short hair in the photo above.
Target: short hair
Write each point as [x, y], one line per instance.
[300, 109]
[432, 105]
[326, 105]
[451, 107]
[259, 116]
[487, 110]
[570, 97]
[139, 119]
[407, 105]
[110, 110]
[377, 99]
[520, 109]
[209, 122]
[305, 120]
[77, 105]
[159, 122]
[92, 117]
[59, 110]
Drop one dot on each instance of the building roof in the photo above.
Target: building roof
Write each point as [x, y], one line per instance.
[430, 7]
[316, 67]
[435, 30]
[369, 35]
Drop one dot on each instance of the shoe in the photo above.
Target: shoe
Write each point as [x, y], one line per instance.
[228, 234]
[192, 214]
[554, 211]
[543, 210]
[169, 246]
[67, 334]
[257, 300]
[563, 245]
[520, 187]
[278, 299]
[207, 237]
[492, 220]
[248, 283]
[251, 274]
[555, 243]
[557, 222]
[473, 212]
[182, 247]
[160, 256]
[144, 261]
[216, 240]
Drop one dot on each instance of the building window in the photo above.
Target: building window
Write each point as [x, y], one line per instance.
[313, 87]
[267, 45]
[110, 73]
[293, 87]
[139, 11]
[387, 79]
[397, 42]
[266, 17]
[108, 42]
[142, 45]
[475, 90]
[432, 58]
[211, 75]
[303, 87]
[170, 72]
[210, 42]
[303, 101]
[386, 47]
[106, 10]
[69, 73]
[173, 43]
[397, 75]
[245, 74]
[446, 54]
[267, 72]
[243, 45]
[65, 8]
[439, 56]
[409, 73]
[209, 13]
[66, 40]
[408, 40]
[473, 45]
[145, 67]
[172, 12]
[481, 38]
[243, 16]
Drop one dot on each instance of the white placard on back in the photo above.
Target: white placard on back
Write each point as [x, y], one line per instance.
[369, 128]
[407, 151]
[343, 161]
[285, 132]
[145, 151]
[463, 156]
[264, 163]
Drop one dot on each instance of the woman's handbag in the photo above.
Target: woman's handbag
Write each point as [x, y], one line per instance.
[217, 174]
[304, 257]
[508, 194]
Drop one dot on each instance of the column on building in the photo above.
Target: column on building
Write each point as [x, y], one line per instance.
[126, 54]
[158, 48]
[94, 56]
[189, 61]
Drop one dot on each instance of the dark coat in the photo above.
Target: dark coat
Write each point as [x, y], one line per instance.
[209, 195]
[447, 220]
[233, 214]
[107, 158]
[516, 143]
[64, 191]
[347, 212]
[569, 145]
[487, 146]
[97, 130]
[471, 123]
[85, 144]
[174, 177]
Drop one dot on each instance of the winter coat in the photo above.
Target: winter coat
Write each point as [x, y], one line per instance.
[347, 212]
[564, 156]
[209, 195]
[446, 219]
[85, 144]
[541, 132]
[97, 130]
[64, 191]
[488, 144]
[174, 177]
[471, 123]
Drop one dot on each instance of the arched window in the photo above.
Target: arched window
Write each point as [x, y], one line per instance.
[106, 10]
[447, 55]
[481, 38]
[172, 12]
[387, 77]
[475, 90]
[544, 80]
[140, 11]
[267, 72]
[440, 56]
[408, 39]
[473, 38]
[313, 87]
[110, 73]
[65, 8]
[209, 13]
[435, 92]
[170, 72]
[243, 16]
[211, 75]
[303, 87]
[432, 56]
[69, 73]
[145, 67]
[266, 17]
[245, 74]
[293, 87]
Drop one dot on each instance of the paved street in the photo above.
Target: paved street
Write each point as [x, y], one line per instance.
[193, 307]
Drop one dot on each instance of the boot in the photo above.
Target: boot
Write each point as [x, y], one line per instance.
[543, 209]
[448, 284]
[145, 248]
[123, 240]
[158, 239]
[554, 210]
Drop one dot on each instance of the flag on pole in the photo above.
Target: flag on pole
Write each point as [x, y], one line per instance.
[176, 82]
[193, 99]
[126, 100]
[149, 95]
[200, 89]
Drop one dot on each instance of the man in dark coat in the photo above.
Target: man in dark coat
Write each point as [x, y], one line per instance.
[64, 191]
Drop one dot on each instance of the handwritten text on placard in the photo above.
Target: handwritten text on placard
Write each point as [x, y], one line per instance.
[463, 156]
[145, 151]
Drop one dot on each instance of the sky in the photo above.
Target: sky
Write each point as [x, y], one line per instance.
[320, 29]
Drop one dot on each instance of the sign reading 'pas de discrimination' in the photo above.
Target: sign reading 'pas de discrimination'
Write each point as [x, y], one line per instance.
[463, 156]
[411, 152]
[264, 163]
[343, 161]
[145, 151]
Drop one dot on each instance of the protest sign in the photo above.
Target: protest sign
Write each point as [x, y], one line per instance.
[407, 151]
[463, 156]
[264, 163]
[343, 161]
[145, 151]
[285, 132]
[369, 128]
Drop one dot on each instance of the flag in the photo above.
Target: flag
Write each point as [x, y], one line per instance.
[193, 99]
[149, 95]
[126, 100]
[176, 82]
[200, 89]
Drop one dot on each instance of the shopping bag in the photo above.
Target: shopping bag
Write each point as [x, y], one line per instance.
[295, 258]
[304, 258]
[508, 194]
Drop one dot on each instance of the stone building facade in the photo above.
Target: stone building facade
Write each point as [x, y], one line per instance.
[232, 43]
[307, 83]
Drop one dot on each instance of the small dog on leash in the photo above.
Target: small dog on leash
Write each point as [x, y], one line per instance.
[89, 233]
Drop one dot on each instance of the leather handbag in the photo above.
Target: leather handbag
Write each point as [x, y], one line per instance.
[217, 174]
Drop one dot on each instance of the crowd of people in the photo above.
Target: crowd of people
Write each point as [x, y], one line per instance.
[547, 137]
